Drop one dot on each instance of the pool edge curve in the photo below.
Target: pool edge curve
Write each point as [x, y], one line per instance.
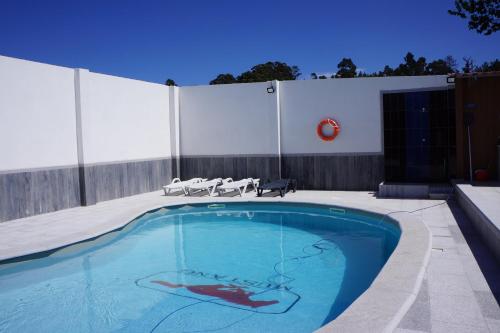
[379, 309]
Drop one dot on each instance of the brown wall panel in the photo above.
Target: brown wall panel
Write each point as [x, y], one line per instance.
[480, 95]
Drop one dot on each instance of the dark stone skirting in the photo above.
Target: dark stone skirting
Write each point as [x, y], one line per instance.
[35, 192]
[335, 172]
[29, 193]
[236, 167]
[313, 172]
[111, 181]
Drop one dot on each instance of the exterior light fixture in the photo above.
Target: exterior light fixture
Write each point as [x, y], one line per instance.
[270, 89]
[450, 80]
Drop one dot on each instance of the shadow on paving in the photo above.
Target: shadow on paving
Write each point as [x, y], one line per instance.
[487, 262]
[174, 194]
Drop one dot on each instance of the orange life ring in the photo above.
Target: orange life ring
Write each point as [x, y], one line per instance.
[329, 122]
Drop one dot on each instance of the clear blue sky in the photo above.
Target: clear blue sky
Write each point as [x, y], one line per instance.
[193, 41]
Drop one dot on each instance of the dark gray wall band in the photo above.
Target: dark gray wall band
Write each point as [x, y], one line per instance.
[111, 181]
[29, 193]
[313, 172]
[35, 192]
[336, 172]
[236, 167]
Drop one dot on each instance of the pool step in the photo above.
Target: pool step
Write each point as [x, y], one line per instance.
[403, 190]
[440, 191]
[414, 191]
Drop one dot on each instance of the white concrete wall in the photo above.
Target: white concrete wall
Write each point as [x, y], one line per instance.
[235, 119]
[123, 119]
[355, 103]
[37, 115]
[174, 111]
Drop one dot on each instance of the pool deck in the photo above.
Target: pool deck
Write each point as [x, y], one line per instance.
[481, 203]
[460, 291]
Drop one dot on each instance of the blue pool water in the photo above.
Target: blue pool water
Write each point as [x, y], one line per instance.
[239, 267]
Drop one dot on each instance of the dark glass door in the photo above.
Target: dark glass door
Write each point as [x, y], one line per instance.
[419, 136]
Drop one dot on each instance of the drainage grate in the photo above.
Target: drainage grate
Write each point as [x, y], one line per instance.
[338, 211]
[216, 206]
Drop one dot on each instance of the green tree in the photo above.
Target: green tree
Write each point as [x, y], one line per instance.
[322, 77]
[260, 73]
[483, 15]
[170, 82]
[223, 79]
[441, 66]
[492, 66]
[411, 67]
[314, 76]
[468, 65]
[270, 71]
[346, 68]
[388, 71]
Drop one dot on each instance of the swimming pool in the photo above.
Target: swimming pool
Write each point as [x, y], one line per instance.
[243, 267]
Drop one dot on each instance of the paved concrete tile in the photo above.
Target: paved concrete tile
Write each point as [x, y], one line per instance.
[485, 198]
[459, 310]
[443, 242]
[493, 325]
[444, 263]
[484, 258]
[437, 223]
[418, 317]
[456, 234]
[434, 220]
[479, 283]
[440, 231]
[482, 204]
[404, 330]
[488, 304]
[464, 249]
[450, 284]
[481, 278]
[445, 327]
[373, 317]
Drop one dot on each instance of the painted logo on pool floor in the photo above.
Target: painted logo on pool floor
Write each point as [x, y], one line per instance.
[249, 295]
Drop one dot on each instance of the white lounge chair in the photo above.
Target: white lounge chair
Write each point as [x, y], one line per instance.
[237, 185]
[177, 184]
[208, 185]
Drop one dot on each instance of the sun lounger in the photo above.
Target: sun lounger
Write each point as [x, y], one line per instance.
[177, 184]
[208, 185]
[237, 185]
[282, 185]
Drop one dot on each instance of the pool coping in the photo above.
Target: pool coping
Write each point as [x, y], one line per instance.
[379, 309]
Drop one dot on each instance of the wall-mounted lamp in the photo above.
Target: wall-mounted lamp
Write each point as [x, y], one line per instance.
[270, 89]
[450, 80]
